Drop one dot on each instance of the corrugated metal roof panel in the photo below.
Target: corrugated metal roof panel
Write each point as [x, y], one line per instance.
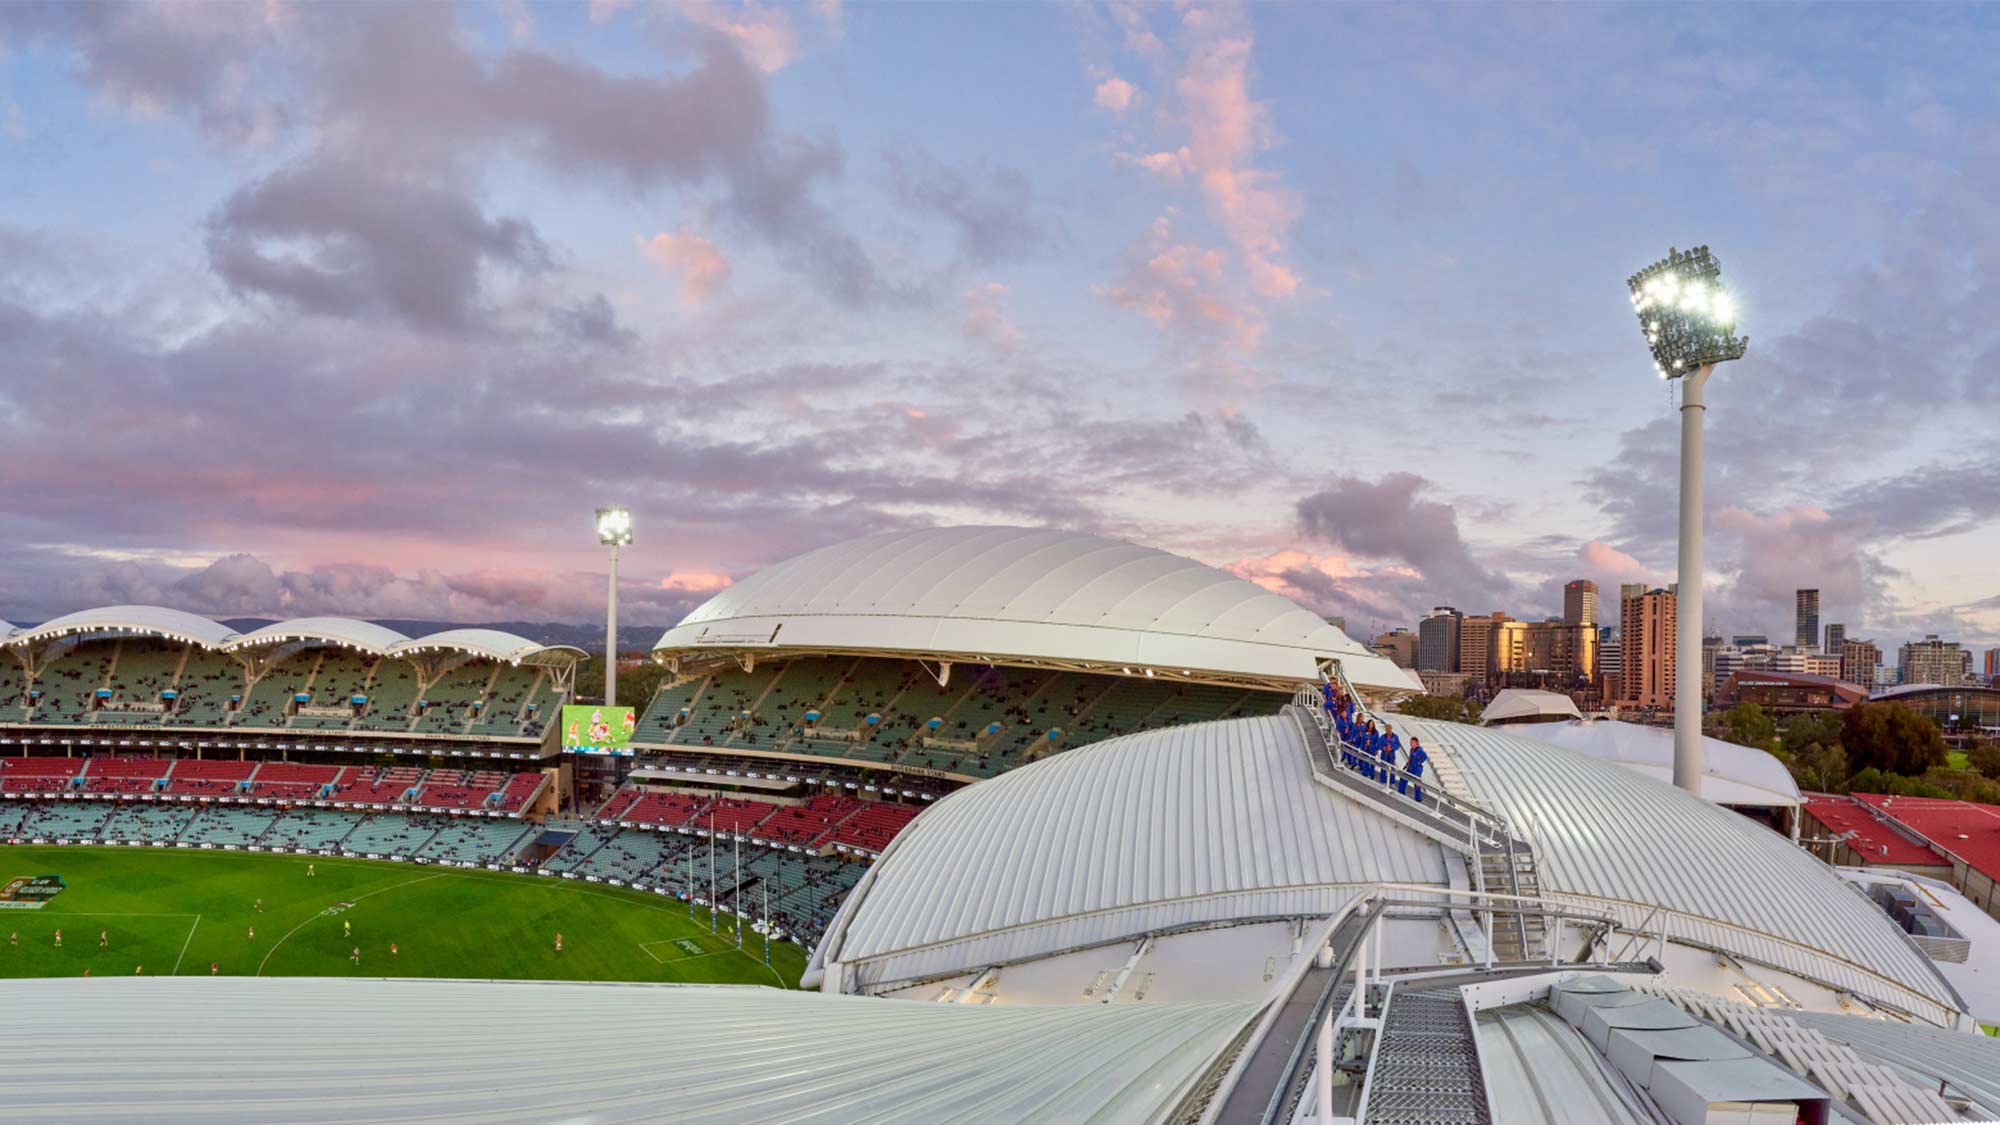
[1604, 831]
[1970, 1062]
[1211, 820]
[160, 1048]
[1539, 1071]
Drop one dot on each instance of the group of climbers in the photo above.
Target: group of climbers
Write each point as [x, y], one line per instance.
[1374, 752]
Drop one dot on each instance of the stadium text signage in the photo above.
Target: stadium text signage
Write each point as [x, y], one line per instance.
[26, 892]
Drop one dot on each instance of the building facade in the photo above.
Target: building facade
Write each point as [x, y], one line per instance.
[1807, 618]
[1399, 645]
[1580, 602]
[1475, 645]
[1647, 629]
[1858, 661]
[1437, 640]
[1932, 661]
[1836, 635]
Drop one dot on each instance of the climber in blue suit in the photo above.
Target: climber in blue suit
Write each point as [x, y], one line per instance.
[1413, 785]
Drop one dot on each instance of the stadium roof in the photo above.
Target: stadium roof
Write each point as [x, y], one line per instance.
[1013, 595]
[1165, 828]
[1515, 704]
[1881, 842]
[364, 635]
[1731, 775]
[175, 1048]
[1969, 831]
[1971, 1063]
[1610, 839]
[1924, 689]
[490, 643]
[146, 620]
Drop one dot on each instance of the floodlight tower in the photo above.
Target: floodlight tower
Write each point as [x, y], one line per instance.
[614, 530]
[1690, 325]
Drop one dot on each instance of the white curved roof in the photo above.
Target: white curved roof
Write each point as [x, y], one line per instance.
[399, 1050]
[1609, 836]
[490, 643]
[150, 620]
[364, 635]
[1007, 594]
[1730, 774]
[1526, 703]
[1199, 823]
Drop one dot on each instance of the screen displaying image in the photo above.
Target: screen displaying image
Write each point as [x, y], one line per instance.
[592, 729]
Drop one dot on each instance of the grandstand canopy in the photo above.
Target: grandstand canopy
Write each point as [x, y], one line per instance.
[1026, 596]
[1525, 705]
[142, 620]
[491, 644]
[1743, 776]
[364, 635]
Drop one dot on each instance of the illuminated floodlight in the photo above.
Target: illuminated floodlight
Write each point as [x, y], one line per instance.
[1686, 315]
[614, 527]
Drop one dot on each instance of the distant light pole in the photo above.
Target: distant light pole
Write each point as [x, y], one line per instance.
[1690, 325]
[614, 530]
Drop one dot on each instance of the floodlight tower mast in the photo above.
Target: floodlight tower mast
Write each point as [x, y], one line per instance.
[614, 530]
[1690, 326]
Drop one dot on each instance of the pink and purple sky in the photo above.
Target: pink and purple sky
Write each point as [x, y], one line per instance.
[363, 308]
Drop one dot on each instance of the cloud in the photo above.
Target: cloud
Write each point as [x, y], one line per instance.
[331, 237]
[991, 213]
[1614, 567]
[698, 262]
[1114, 94]
[1335, 586]
[766, 36]
[1389, 519]
[986, 316]
[1181, 286]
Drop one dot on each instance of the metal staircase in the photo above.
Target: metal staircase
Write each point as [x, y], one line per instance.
[1426, 1065]
[1523, 936]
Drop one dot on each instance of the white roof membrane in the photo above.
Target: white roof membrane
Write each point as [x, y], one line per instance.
[148, 620]
[1731, 774]
[364, 635]
[1025, 594]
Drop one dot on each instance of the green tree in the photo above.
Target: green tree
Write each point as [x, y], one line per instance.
[1874, 780]
[1449, 708]
[635, 685]
[1809, 728]
[1819, 768]
[1892, 738]
[1985, 757]
[1746, 725]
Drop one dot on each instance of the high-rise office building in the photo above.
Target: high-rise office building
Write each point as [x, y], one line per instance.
[1437, 640]
[1807, 619]
[1858, 661]
[1749, 640]
[1580, 602]
[1992, 665]
[1399, 645]
[1647, 630]
[1836, 635]
[1627, 592]
[1475, 644]
[1932, 661]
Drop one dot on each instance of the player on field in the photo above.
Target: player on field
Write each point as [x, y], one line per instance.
[104, 939]
[558, 942]
[260, 906]
[253, 933]
[310, 871]
[58, 939]
[393, 951]
[14, 938]
[357, 955]
[346, 928]
[214, 968]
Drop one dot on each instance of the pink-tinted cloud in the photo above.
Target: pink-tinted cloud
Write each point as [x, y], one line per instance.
[766, 36]
[986, 316]
[1115, 94]
[1170, 165]
[1182, 287]
[1227, 128]
[1610, 564]
[699, 263]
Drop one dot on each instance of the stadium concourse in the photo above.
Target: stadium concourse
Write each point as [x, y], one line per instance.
[1157, 877]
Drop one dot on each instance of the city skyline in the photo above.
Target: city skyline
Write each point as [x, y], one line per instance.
[1357, 333]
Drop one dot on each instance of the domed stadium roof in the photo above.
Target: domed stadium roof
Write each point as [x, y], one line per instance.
[364, 635]
[490, 643]
[142, 620]
[1731, 774]
[1028, 595]
[1518, 704]
[1612, 839]
[1174, 827]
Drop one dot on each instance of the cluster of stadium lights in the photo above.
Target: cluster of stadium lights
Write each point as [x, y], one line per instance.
[1686, 314]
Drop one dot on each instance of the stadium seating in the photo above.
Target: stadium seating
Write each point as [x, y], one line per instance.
[74, 820]
[124, 775]
[587, 840]
[70, 681]
[317, 829]
[13, 690]
[207, 680]
[39, 775]
[268, 703]
[871, 828]
[447, 706]
[519, 790]
[341, 675]
[145, 667]
[715, 717]
[660, 720]
[668, 810]
[224, 825]
[371, 786]
[475, 840]
[513, 689]
[391, 834]
[391, 696]
[151, 820]
[809, 823]
[291, 781]
[211, 778]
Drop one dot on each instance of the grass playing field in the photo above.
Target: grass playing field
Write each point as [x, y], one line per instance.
[168, 911]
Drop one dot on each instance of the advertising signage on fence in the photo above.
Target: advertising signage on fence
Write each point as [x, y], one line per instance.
[590, 729]
[29, 892]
